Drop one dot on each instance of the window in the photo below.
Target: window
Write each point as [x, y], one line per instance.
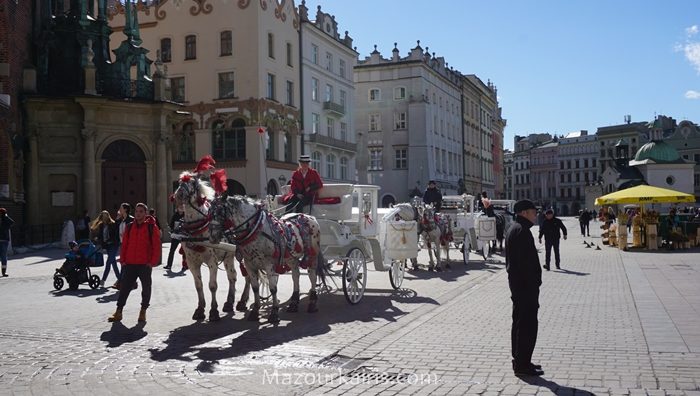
[315, 122]
[166, 54]
[375, 121]
[191, 47]
[330, 127]
[343, 131]
[399, 93]
[229, 143]
[287, 147]
[226, 85]
[329, 93]
[401, 159]
[330, 166]
[375, 159]
[568, 178]
[343, 98]
[329, 61]
[271, 86]
[316, 160]
[696, 180]
[314, 54]
[314, 89]
[343, 168]
[593, 164]
[226, 43]
[270, 151]
[185, 144]
[177, 89]
[290, 93]
[374, 95]
[561, 178]
[578, 177]
[341, 68]
[577, 164]
[696, 157]
[271, 45]
[670, 180]
[400, 120]
[290, 55]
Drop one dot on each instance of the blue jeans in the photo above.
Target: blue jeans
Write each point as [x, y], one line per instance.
[3, 253]
[111, 262]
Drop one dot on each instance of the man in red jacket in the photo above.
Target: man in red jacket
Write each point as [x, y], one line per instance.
[140, 253]
[305, 183]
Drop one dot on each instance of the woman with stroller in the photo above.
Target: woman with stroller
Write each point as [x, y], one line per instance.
[105, 234]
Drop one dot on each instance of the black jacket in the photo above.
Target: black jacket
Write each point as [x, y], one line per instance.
[5, 223]
[111, 241]
[433, 196]
[522, 261]
[550, 229]
[585, 217]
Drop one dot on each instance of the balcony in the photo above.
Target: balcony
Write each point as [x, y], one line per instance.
[332, 142]
[333, 107]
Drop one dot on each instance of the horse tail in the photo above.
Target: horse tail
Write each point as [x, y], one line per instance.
[322, 270]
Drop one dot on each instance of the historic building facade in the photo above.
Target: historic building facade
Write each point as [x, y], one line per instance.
[522, 187]
[578, 167]
[328, 96]
[408, 110]
[543, 171]
[508, 163]
[684, 136]
[634, 134]
[235, 67]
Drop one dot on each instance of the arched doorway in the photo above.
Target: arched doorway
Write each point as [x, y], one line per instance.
[388, 200]
[234, 187]
[272, 187]
[123, 175]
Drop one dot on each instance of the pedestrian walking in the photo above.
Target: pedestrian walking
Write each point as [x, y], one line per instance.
[106, 237]
[83, 226]
[124, 217]
[5, 223]
[175, 224]
[524, 280]
[550, 229]
[584, 221]
[140, 252]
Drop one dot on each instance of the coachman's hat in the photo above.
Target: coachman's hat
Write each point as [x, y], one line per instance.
[304, 158]
[524, 204]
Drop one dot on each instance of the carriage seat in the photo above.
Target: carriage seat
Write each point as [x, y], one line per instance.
[333, 201]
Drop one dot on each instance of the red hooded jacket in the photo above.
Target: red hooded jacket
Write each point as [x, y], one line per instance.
[138, 247]
[306, 185]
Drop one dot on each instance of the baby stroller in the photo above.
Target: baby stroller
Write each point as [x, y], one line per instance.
[76, 269]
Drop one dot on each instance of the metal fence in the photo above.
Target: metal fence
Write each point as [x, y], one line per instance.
[29, 235]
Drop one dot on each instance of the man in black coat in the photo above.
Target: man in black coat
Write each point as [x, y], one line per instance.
[584, 220]
[550, 229]
[524, 280]
[433, 196]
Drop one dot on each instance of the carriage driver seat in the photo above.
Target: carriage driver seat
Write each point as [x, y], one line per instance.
[332, 202]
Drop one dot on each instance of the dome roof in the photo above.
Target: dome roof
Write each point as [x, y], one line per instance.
[659, 152]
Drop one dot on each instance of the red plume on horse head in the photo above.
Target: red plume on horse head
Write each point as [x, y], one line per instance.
[218, 181]
[206, 163]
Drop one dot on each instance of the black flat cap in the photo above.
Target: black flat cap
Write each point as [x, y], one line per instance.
[525, 204]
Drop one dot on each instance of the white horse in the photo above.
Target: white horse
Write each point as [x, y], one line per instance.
[436, 229]
[269, 247]
[195, 197]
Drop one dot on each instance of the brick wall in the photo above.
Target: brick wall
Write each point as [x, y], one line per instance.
[15, 54]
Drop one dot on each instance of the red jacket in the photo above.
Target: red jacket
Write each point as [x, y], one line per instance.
[136, 246]
[306, 185]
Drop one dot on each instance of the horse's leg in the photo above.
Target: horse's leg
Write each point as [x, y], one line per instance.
[313, 295]
[438, 267]
[294, 301]
[196, 270]
[272, 278]
[431, 265]
[254, 313]
[230, 266]
[213, 285]
[446, 246]
[243, 302]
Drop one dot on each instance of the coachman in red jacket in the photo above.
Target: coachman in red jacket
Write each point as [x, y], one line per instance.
[140, 252]
[305, 183]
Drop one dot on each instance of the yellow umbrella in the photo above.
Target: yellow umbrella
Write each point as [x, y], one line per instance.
[644, 195]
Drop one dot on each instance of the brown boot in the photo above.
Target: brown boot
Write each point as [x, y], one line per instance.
[142, 315]
[116, 317]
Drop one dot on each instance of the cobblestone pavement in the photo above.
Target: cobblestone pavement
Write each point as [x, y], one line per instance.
[611, 322]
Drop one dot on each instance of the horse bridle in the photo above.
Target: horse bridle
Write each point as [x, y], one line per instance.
[234, 233]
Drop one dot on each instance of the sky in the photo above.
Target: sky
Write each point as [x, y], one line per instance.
[559, 66]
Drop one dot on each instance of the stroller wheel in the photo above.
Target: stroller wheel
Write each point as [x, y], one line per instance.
[94, 282]
[58, 283]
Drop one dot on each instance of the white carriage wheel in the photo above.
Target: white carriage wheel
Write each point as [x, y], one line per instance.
[396, 273]
[465, 248]
[485, 252]
[354, 276]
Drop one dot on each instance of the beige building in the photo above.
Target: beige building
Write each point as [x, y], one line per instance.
[235, 67]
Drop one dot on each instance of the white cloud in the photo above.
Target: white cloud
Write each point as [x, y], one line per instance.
[692, 31]
[692, 53]
[692, 95]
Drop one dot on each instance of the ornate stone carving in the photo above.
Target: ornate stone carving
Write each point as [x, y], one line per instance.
[118, 8]
[201, 7]
[88, 133]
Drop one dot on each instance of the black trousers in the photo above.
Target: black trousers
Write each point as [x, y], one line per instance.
[548, 245]
[296, 205]
[131, 272]
[585, 229]
[523, 333]
[173, 248]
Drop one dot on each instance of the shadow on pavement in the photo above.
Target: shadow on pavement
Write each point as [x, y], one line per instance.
[78, 293]
[109, 298]
[120, 334]
[554, 387]
[184, 342]
[171, 274]
[569, 272]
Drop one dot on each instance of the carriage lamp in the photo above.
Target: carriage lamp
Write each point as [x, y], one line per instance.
[282, 179]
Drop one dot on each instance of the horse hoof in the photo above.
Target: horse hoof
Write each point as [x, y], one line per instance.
[438, 269]
[293, 307]
[253, 316]
[214, 316]
[274, 317]
[448, 266]
[431, 268]
[198, 314]
[228, 307]
[241, 306]
[312, 308]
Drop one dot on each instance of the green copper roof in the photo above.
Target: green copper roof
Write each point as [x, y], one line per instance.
[659, 152]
